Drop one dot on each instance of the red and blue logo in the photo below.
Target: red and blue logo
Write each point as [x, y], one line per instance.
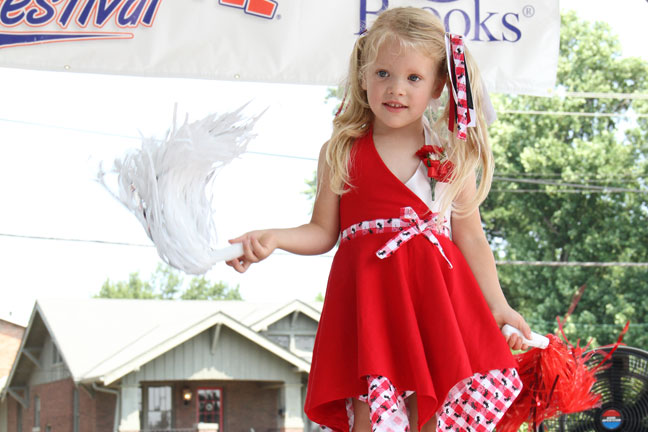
[125, 14]
[260, 8]
[49, 20]
[611, 419]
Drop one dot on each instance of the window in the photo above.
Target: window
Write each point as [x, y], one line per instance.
[56, 355]
[282, 340]
[305, 343]
[37, 412]
[159, 408]
[210, 406]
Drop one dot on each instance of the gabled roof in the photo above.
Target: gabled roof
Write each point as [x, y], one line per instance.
[105, 339]
[312, 310]
[17, 320]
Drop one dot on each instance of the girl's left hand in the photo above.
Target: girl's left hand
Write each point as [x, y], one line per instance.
[508, 315]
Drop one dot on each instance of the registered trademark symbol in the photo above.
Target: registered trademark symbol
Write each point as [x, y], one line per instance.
[528, 11]
[278, 16]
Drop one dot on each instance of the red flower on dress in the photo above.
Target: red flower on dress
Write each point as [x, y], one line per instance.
[437, 162]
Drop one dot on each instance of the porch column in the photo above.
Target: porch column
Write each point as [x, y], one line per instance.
[130, 417]
[293, 408]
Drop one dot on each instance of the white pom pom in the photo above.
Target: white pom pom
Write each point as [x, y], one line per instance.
[165, 185]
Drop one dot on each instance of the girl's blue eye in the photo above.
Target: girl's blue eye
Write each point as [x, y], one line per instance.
[382, 73]
[414, 78]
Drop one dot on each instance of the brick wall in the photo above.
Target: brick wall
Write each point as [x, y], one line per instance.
[12, 411]
[57, 405]
[57, 409]
[104, 404]
[245, 405]
[251, 405]
[10, 337]
[56, 401]
[87, 411]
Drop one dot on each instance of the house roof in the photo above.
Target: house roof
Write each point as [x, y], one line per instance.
[105, 339]
[15, 319]
[313, 310]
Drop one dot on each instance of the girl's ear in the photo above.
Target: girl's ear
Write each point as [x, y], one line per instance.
[438, 88]
[363, 82]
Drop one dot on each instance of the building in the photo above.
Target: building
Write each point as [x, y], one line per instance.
[100, 365]
[10, 336]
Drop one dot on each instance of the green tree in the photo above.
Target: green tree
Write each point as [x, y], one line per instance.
[168, 284]
[134, 288]
[573, 189]
[202, 289]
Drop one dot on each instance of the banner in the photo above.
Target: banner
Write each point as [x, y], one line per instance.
[290, 41]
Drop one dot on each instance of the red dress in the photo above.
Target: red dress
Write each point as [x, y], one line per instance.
[410, 317]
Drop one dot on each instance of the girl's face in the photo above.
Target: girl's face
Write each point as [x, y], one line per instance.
[399, 85]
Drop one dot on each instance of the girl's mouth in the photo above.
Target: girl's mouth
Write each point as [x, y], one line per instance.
[394, 106]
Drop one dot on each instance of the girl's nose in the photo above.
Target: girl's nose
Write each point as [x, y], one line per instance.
[396, 88]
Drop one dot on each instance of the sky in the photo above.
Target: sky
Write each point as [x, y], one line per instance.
[57, 127]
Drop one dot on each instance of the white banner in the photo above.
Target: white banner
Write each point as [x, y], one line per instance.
[296, 41]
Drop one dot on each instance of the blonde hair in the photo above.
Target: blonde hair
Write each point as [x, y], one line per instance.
[423, 31]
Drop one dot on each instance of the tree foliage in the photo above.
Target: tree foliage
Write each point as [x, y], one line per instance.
[573, 189]
[168, 284]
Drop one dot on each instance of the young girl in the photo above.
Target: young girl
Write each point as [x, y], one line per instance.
[410, 329]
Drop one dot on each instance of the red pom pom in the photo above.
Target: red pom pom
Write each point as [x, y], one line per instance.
[557, 380]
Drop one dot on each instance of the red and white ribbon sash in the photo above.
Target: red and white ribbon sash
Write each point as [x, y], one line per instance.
[408, 226]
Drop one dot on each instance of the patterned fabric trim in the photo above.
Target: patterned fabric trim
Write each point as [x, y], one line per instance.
[408, 226]
[475, 404]
[478, 403]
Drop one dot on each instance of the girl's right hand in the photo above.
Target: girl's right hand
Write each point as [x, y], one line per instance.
[257, 246]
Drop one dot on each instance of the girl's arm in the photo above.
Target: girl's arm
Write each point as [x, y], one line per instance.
[469, 236]
[316, 237]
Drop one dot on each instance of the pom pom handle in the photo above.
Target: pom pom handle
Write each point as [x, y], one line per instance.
[227, 253]
[536, 341]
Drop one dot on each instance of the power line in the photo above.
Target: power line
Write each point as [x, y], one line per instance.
[573, 264]
[133, 137]
[282, 155]
[605, 189]
[106, 242]
[584, 178]
[527, 263]
[71, 129]
[599, 176]
[559, 191]
[572, 113]
[598, 95]
[533, 322]
[572, 185]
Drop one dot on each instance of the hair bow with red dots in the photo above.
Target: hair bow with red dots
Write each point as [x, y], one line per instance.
[462, 108]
